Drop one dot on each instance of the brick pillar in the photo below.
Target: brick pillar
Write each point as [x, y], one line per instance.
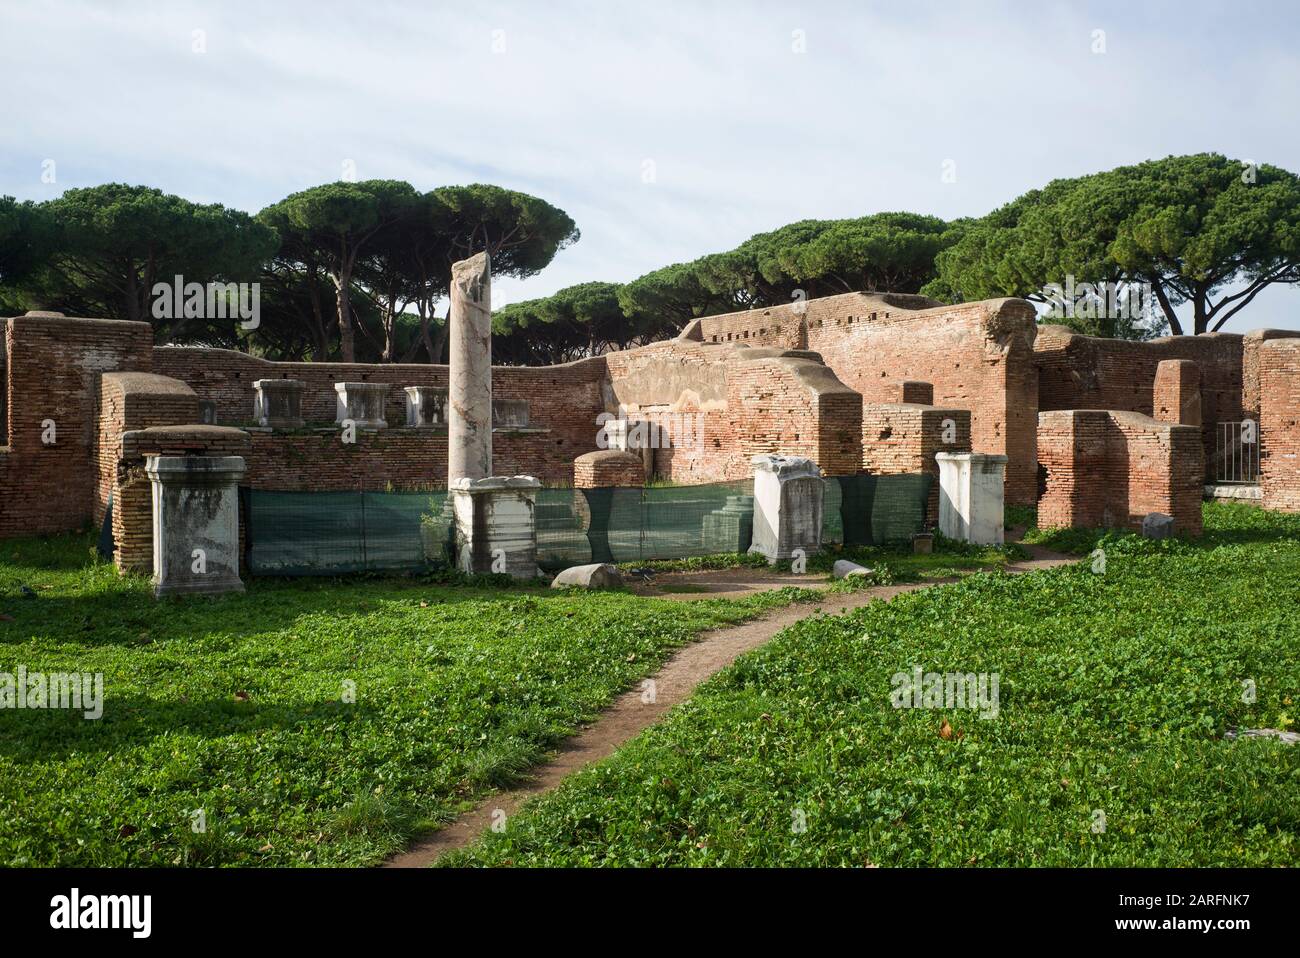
[1177, 394]
[608, 467]
[1279, 424]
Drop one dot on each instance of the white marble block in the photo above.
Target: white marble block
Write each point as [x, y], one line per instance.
[277, 403]
[195, 523]
[970, 496]
[495, 527]
[426, 406]
[787, 506]
[363, 403]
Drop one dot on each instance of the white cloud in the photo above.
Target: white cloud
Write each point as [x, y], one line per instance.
[745, 134]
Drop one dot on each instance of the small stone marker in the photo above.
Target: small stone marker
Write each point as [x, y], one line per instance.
[1288, 738]
[923, 543]
[843, 568]
[598, 575]
[1157, 525]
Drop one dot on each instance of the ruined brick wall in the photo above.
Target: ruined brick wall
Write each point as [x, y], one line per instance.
[978, 356]
[1279, 424]
[563, 404]
[902, 438]
[1088, 372]
[1252, 342]
[53, 368]
[1110, 468]
[130, 401]
[739, 402]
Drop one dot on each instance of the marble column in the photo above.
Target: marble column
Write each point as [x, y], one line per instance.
[469, 399]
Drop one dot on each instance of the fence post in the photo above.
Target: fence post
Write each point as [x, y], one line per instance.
[787, 507]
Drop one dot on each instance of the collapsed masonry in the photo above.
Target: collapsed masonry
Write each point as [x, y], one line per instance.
[1099, 430]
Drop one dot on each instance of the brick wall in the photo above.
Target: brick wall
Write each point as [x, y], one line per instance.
[977, 356]
[902, 438]
[1279, 424]
[1252, 342]
[53, 371]
[563, 403]
[130, 401]
[742, 401]
[1110, 468]
[1087, 372]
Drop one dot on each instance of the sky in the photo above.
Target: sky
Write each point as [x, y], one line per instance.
[666, 130]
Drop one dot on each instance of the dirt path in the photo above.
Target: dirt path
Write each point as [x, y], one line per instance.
[628, 716]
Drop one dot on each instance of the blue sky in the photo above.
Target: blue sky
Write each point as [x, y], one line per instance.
[667, 130]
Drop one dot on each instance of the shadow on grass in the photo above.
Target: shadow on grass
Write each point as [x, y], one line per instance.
[38, 735]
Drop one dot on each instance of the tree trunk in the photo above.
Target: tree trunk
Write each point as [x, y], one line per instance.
[346, 348]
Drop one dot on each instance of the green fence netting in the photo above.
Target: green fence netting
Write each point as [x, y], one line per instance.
[874, 509]
[577, 526]
[333, 533]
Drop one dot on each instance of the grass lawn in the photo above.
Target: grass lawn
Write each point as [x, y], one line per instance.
[1116, 690]
[236, 706]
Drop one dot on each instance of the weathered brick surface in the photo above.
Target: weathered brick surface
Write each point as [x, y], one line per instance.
[608, 467]
[1086, 372]
[1279, 375]
[1110, 468]
[563, 404]
[130, 401]
[1176, 395]
[977, 356]
[746, 401]
[902, 439]
[53, 365]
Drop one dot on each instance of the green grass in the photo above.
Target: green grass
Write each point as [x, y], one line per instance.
[898, 563]
[236, 706]
[1116, 690]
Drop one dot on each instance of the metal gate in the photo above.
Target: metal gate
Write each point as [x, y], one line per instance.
[1236, 453]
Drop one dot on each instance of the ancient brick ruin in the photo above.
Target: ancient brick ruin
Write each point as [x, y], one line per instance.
[1097, 432]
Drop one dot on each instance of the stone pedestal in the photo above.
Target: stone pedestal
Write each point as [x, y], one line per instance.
[495, 527]
[195, 523]
[787, 506]
[970, 496]
[731, 528]
[363, 403]
[426, 406]
[277, 403]
[469, 397]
